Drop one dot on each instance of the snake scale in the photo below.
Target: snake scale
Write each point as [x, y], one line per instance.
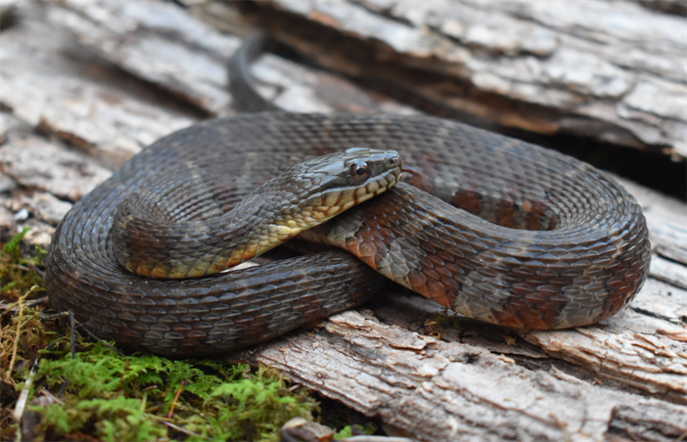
[491, 227]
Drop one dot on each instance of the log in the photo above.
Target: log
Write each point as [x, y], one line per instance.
[87, 84]
[546, 67]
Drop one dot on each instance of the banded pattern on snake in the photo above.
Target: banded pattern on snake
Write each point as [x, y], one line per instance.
[542, 241]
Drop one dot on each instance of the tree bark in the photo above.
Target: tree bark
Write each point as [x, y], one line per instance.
[606, 70]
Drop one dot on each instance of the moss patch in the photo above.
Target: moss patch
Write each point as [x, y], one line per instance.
[146, 397]
[22, 333]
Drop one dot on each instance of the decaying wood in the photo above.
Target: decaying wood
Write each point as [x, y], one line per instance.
[451, 390]
[86, 85]
[608, 70]
[76, 98]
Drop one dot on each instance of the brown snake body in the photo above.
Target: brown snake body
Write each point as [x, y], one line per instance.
[585, 255]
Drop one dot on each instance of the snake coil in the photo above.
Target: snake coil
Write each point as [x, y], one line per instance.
[539, 241]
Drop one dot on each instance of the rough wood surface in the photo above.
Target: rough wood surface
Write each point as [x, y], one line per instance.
[609, 70]
[86, 85]
[443, 390]
[52, 85]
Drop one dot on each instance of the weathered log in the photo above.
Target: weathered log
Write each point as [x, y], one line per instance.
[613, 71]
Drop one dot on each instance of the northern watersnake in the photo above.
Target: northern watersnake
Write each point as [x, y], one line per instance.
[542, 241]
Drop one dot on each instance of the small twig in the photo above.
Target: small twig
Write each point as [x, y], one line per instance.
[30, 303]
[95, 338]
[20, 267]
[174, 402]
[24, 396]
[53, 316]
[103, 342]
[15, 344]
[63, 387]
[36, 301]
[40, 272]
[181, 429]
[72, 329]
[52, 397]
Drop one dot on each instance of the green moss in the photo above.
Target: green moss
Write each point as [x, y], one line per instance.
[18, 274]
[113, 419]
[129, 398]
[20, 281]
[22, 333]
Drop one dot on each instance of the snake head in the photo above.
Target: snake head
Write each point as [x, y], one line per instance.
[316, 190]
[336, 182]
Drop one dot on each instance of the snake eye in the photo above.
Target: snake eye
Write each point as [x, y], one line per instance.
[359, 169]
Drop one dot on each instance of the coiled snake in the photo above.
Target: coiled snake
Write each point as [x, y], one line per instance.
[542, 241]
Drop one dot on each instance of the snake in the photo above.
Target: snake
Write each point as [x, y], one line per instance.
[491, 227]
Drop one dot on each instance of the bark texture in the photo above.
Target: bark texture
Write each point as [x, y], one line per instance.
[608, 70]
